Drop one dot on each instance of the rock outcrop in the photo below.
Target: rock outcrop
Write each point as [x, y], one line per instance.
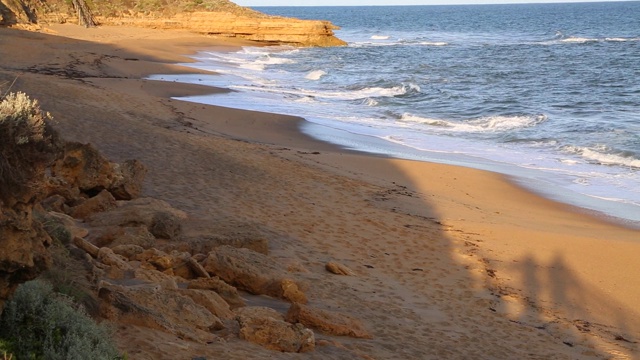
[277, 30]
[223, 19]
[253, 272]
[328, 322]
[267, 328]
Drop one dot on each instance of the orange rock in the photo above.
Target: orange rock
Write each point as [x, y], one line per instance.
[328, 322]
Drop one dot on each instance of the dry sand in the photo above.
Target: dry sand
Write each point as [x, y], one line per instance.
[450, 263]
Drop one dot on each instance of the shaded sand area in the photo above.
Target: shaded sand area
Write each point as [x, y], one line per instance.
[449, 262]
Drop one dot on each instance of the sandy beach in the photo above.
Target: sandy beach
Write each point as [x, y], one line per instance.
[449, 262]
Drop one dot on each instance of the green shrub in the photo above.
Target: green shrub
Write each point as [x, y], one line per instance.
[27, 144]
[37, 323]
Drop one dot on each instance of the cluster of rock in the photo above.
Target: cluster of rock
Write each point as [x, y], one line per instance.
[140, 278]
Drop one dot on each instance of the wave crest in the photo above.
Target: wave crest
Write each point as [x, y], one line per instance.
[603, 155]
[315, 75]
[483, 124]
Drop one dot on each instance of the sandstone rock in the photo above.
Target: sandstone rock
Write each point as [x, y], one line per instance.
[55, 203]
[275, 334]
[128, 185]
[339, 269]
[199, 257]
[226, 291]
[113, 236]
[82, 166]
[128, 251]
[24, 246]
[153, 307]
[88, 247]
[291, 292]
[153, 276]
[158, 216]
[197, 268]
[252, 271]
[101, 202]
[210, 301]
[159, 259]
[258, 312]
[328, 322]
[117, 267]
[264, 29]
[69, 223]
[180, 265]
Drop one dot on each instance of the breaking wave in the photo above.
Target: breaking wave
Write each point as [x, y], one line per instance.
[603, 155]
[315, 75]
[482, 124]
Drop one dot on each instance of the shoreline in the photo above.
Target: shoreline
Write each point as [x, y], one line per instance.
[488, 264]
[556, 187]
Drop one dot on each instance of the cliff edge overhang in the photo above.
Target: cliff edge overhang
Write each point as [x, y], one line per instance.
[262, 29]
[219, 18]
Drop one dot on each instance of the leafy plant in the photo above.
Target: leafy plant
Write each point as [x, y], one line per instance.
[38, 323]
[27, 144]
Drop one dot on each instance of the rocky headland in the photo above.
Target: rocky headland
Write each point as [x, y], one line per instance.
[217, 18]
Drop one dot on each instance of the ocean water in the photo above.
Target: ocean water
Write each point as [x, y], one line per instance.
[546, 93]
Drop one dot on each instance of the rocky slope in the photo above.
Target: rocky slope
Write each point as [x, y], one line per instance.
[213, 17]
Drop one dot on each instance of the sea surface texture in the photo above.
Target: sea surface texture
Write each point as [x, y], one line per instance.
[548, 93]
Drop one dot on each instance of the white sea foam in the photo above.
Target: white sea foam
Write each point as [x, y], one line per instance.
[305, 100]
[370, 102]
[380, 37]
[622, 39]
[578, 40]
[315, 75]
[434, 43]
[483, 124]
[369, 92]
[603, 155]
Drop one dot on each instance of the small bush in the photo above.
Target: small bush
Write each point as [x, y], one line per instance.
[40, 324]
[27, 143]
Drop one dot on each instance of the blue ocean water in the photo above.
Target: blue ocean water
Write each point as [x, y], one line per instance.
[547, 93]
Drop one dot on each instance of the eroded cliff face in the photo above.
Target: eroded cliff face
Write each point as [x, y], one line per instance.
[263, 29]
[219, 17]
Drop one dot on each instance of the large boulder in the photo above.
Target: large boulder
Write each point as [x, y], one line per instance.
[226, 291]
[326, 321]
[154, 307]
[253, 272]
[83, 167]
[114, 236]
[266, 328]
[102, 202]
[160, 218]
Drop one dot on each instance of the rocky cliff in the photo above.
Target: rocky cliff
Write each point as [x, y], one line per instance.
[213, 17]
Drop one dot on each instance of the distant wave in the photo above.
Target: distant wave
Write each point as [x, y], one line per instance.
[380, 37]
[315, 75]
[435, 43]
[483, 124]
[603, 155]
[579, 40]
[562, 39]
[403, 42]
[356, 94]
